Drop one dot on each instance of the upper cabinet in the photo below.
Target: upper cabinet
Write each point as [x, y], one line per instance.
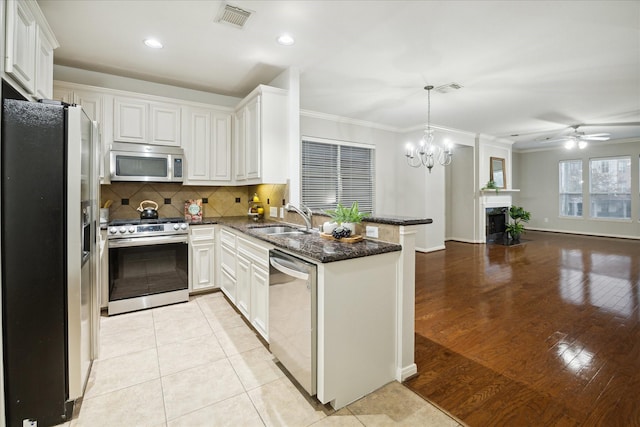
[146, 122]
[206, 140]
[29, 48]
[261, 140]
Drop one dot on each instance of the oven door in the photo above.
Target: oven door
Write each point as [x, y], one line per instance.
[147, 272]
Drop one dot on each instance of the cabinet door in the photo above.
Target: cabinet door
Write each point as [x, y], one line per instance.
[243, 283]
[130, 120]
[221, 148]
[252, 139]
[260, 300]
[44, 67]
[197, 144]
[239, 149]
[21, 44]
[228, 285]
[165, 124]
[91, 104]
[203, 265]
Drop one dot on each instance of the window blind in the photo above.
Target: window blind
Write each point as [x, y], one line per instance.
[337, 173]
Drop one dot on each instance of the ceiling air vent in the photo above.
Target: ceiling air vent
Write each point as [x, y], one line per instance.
[232, 15]
[449, 87]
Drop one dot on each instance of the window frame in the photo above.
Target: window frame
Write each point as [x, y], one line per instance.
[593, 196]
[340, 177]
[565, 193]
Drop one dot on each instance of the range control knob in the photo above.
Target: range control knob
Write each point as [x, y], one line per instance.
[176, 226]
[122, 230]
[113, 230]
[183, 226]
[132, 229]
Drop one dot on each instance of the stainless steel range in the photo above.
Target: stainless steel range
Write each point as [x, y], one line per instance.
[148, 263]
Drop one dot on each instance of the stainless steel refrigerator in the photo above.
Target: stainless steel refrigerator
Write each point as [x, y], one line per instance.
[48, 244]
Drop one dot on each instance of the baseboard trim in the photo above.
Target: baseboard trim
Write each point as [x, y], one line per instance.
[402, 374]
[433, 249]
[584, 233]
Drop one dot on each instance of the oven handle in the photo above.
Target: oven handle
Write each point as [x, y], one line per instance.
[147, 241]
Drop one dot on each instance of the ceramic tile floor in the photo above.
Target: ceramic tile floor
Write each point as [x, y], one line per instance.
[199, 364]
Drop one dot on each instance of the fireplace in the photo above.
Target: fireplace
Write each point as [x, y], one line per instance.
[496, 223]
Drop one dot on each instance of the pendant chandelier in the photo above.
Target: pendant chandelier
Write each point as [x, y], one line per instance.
[427, 153]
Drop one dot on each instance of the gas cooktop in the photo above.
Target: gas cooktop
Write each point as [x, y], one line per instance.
[118, 222]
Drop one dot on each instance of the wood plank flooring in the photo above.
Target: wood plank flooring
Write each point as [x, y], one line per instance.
[546, 333]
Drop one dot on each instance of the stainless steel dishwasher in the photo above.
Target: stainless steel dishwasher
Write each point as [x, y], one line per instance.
[292, 316]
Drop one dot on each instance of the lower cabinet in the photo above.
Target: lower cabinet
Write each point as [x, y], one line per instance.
[244, 270]
[260, 299]
[243, 279]
[202, 259]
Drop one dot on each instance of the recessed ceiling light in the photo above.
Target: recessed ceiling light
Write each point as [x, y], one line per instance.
[285, 40]
[153, 43]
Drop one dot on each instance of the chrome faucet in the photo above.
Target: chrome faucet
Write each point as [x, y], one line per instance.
[304, 212]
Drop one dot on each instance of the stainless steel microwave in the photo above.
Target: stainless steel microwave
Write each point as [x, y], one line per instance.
[150, 163]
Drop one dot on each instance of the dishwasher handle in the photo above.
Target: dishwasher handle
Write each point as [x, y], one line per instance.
[289, 270]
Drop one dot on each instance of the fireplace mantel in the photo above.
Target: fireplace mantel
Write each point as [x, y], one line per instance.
[500, 190]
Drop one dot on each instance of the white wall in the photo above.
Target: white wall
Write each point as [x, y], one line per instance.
[290, 80]
[461, 197]
[384, 141]
[537, 176]
[92, 78]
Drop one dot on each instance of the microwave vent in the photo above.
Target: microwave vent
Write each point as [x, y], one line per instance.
[233, 16]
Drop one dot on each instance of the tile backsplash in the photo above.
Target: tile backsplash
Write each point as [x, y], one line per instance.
[221, 201]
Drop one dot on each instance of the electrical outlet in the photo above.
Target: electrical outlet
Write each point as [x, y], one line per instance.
[281, 212]
[372, 231]
[273, 212]
[29, 423]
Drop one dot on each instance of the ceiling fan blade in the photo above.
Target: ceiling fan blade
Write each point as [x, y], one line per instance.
[609, 124]
[552, 139]
[595, 138]
[597, 134]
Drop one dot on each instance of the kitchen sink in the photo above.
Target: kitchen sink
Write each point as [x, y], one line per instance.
[279, 230]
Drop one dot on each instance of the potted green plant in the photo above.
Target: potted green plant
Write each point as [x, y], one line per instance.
[491, 185]
[347, 217]
[516, 228]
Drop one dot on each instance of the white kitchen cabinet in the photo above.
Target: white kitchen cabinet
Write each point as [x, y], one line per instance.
[44, 66]
[254, 282]
[130, 120]
[206, 141]
[244, 279]
[146, 122]
[202, 259]
[164, 124]
[29, 48]
[261, 137]
[260, 299]
[21, 44]
[243, 283]
[228, 264]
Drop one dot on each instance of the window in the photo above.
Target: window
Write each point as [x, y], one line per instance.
[570, 188]
[335, 173]
[610, 187]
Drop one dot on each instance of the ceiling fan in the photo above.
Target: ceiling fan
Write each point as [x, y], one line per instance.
[580, 139]
[577, 138]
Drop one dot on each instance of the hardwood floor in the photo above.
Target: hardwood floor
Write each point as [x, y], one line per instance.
[541, 334]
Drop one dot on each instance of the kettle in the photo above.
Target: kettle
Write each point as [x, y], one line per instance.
[148, 212]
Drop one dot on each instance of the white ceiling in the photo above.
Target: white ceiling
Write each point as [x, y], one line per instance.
[531, 68]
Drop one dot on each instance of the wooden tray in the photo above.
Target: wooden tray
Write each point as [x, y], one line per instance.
[352, 239]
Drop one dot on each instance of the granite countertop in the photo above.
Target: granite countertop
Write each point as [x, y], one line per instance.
[310, 245]
[390, 219]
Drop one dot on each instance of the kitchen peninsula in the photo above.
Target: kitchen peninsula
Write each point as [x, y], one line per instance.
[365, 301]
